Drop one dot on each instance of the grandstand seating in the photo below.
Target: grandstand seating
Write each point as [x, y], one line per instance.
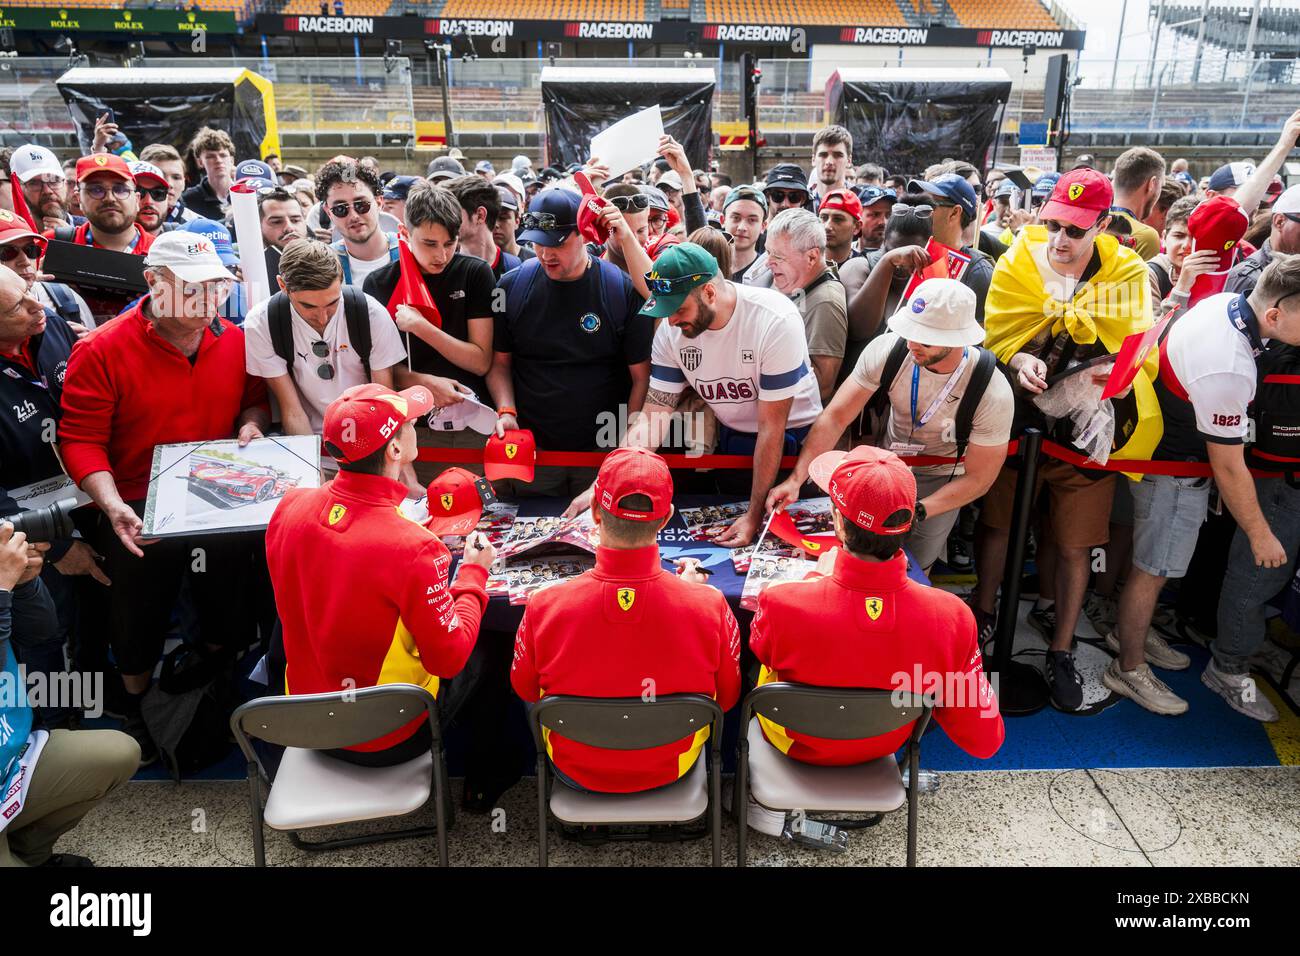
[362, 8]
[1003, 15]
[234, 6]
[874, 13]
[547, 9]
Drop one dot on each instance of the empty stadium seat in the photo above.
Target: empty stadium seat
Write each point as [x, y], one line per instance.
[1003, 15]
[875, 13]
[616, 10]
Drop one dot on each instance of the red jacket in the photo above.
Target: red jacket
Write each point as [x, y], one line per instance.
[606, 634]
[142, 239]
[128, 389]
[363, 596]
[869, 626]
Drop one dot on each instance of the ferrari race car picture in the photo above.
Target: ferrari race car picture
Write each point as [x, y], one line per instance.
[230, 485]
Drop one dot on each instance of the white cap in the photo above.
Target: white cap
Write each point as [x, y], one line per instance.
[139, 168]
[511, 182]
[940, 312]
[470, 413]
[1288, 202]
[31, 161]
[670, 180]
[191, 256]
[520, 163]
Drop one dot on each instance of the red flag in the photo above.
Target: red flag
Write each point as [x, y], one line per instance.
[410, 289]
[943, 260]
[783, 526]
[1132, 355]
[1207, 284]
[20, 204]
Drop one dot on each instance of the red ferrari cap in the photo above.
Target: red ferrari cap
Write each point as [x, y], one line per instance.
[1218, 223]
[634, 471]
[454, 503]
[103, 163]
[845, 200]
[1079, 198]
[867, 485]
[12, 229]
[359, 421]
[512, 456]
[589, 224]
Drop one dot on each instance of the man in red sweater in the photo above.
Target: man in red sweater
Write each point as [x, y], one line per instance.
[361, 589]
[859, 621]
[168, 370]
[627, 628]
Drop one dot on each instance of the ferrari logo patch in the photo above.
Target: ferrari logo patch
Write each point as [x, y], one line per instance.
[626, 598]
[447, 501]
[101, 160]
[511, 450]
[1229, 244]
[874, 607]
[1076, 190]
[336, 514]
[809, 545]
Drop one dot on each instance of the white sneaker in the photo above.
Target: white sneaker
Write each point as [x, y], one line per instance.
[760, 818]
[1156, 650]
[1145, 688]
[1240, 692]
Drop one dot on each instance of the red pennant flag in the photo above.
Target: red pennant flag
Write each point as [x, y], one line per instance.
[20, 205]
[783, 526]
[1132, 355]
[1207, 284]
[410, 289]
[942, 260]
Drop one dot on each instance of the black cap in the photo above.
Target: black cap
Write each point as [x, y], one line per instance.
[786, 176]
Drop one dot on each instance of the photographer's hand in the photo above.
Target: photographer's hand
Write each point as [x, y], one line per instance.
[13, 556]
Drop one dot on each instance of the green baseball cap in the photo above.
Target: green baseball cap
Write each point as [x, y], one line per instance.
[677, 271]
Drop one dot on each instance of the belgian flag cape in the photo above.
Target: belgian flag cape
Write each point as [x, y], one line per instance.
[1113, 304]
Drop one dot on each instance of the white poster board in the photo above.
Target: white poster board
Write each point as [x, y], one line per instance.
[630, 142]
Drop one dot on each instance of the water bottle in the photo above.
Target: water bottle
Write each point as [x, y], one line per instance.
[820, 836]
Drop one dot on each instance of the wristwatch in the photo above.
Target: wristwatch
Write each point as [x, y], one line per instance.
[918, 513]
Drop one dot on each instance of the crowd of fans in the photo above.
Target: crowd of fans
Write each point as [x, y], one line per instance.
[786, 315]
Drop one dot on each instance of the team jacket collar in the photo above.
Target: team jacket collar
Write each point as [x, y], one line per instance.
[370, 489]
[859, 575]
[624, 563]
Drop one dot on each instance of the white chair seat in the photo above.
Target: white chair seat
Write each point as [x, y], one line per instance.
[312, 789]
[680, 802]
[780, 783]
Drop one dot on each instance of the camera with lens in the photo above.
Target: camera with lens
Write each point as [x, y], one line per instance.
[51, 523]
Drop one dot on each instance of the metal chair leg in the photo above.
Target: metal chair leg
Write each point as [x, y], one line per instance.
[715, 800]
[440, 804]
[740, 797]
[913, 792]
[541, 810]
[255, 798]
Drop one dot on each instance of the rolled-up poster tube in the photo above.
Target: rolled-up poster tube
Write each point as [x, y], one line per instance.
[252, 255]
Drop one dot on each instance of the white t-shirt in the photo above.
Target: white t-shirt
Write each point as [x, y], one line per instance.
[991, 424]
[315, 392]
[761, 354]
[360, 268]
[1215, 363]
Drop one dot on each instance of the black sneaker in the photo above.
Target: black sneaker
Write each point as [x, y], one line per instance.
[135, 727]
[986, 626]
[1043, 620]
[1064, 681]
[959, 554]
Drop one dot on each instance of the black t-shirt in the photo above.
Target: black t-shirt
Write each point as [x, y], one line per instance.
[569, 357]
[463, 293]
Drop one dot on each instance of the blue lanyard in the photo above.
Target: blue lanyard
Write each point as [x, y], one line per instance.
[1246, 323]
[938, 399]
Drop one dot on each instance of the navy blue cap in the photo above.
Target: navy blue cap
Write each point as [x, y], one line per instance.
[870, 195]
[255, 169]
[555, 201]
[508, 198]
[399, 186]
[786, 176]
[1230, 175]
[948, 186]
[1005, 188]
[1044, 185]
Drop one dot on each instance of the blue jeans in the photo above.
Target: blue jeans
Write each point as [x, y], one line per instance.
[1246, 587]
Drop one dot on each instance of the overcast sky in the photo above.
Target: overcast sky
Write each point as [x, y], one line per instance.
[1101, 18]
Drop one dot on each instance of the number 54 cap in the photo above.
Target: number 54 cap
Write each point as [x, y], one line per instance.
[512, 456]
[364, 417]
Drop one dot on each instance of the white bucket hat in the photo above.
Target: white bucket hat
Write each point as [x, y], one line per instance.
[940, 312]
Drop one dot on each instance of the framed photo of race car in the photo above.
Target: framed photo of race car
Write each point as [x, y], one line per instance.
[211, 487]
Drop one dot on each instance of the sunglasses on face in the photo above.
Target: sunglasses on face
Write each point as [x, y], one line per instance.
[99, 190]
[781, 195]
[1074, 232]
[360, 206]
[31, 250]
[156, 193]
[545, 221]
[636, 203]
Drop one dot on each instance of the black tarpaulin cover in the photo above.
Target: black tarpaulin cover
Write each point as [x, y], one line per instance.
[906, 120]
[580, 102]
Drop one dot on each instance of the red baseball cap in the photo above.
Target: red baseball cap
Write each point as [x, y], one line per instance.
[845, 200]
[110, 163]
[512, 456]
[1218, 223]
[867, 485]
[12, 229]
[589, 224]
[454, 503]
[634, 471]
[364, 417]
[1079, 198]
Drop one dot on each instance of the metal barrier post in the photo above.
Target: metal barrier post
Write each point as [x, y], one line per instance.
[1021, 688]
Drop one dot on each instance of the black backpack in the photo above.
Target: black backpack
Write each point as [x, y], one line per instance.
[985, 368]
[1276, 412]
[355, 311]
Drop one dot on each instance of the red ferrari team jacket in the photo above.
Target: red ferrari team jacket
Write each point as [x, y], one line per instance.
[869, 626]
[625, 628]
[363, 595]
[128, 389]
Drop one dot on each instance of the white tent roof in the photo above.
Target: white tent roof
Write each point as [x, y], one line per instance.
[605, 74]
[148, 74]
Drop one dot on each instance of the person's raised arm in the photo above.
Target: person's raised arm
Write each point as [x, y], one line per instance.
[1250, 193]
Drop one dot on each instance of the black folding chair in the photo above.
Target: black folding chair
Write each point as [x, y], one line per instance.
[630, 723]
[780, 783]
[313, 789]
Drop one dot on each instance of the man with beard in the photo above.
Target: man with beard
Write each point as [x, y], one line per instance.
[350, 192]
[108, 197]
[151, 194]
[841, 216]
[282, 222]
[744, 352]
[44, 185]
[877, 204]
[21, 251]
[169, 162]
